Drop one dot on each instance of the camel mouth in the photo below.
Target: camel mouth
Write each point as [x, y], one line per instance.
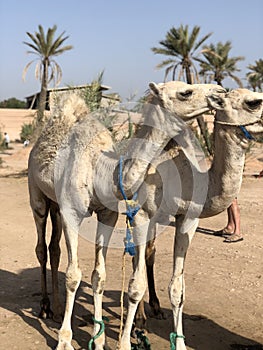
[256, 128]
[195, 114]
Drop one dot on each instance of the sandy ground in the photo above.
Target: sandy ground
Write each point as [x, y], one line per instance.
[11, 121]
[224, 282]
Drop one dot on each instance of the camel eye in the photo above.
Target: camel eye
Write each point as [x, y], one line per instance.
[254, 104]
[183, 95]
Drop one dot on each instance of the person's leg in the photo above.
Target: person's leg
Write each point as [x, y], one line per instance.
[233, 225]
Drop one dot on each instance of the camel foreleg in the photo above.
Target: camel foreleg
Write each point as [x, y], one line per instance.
[138, 281]
[177, 285]
[106, 222]
[73, 277]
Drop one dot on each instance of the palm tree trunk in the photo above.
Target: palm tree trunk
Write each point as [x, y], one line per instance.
[204, 132]
[189, 78]
[200, 120]
[43, 95]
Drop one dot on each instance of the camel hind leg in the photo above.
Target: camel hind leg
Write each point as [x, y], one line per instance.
[40, 205]
[157, 312]
[54, 252]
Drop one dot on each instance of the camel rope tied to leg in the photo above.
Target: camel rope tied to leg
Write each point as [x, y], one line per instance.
[173, 337]
[132, 207]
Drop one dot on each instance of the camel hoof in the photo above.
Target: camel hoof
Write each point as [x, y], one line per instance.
[45, 311]
[64, 346]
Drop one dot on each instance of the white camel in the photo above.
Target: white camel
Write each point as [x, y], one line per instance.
[178, 188]
[62, 182]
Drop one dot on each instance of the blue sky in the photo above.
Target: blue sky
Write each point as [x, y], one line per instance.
[117, 36]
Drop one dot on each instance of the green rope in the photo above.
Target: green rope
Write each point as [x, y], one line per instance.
[173, 337]
[143, 341]
[102, 328]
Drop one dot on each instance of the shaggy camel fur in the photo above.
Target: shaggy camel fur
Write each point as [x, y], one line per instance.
[65, 172]
[178, 187]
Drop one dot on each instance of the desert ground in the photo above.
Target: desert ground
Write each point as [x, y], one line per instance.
[224, 282]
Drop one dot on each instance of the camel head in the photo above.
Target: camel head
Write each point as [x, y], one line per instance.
[187, 101]
[240, 107]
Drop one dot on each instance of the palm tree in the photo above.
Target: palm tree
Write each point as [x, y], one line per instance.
[255, 77]
[181, 45]
[45, 46]
[218, 65]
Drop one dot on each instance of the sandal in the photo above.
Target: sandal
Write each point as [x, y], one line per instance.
[234, 238]
[222, 233]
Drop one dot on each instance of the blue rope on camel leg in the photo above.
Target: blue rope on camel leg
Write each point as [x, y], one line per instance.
[132, 210]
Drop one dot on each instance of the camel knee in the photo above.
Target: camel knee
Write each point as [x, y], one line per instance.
[176, 291]
[98, 281]
[136, 290]
[73, 278]
[41, 253]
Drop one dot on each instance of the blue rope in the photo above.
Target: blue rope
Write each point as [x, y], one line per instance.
[246, 133]
[132, 210]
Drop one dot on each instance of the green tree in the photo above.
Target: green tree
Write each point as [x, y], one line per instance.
[92, 93]
[255, 77]
[12, 103]
[218, 65]
[46, 47]
[181, 46]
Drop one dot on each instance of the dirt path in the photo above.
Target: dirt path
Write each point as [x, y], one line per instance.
[224, 283]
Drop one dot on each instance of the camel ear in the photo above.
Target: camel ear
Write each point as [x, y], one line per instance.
[216, 102]
[154, 89]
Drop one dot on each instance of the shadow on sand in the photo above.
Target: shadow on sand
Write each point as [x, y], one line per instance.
[19, 294]
[16, 175]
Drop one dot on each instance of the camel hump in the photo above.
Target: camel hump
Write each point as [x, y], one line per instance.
[68, 107]
[66, 111]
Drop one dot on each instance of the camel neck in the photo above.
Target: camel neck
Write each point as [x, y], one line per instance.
[141, 153]
[147, 144]
[225, 174]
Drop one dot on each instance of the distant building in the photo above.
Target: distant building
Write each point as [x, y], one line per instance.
[106, 99]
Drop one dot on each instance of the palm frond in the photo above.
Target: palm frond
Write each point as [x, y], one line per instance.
[165, 63]
[236, 79]
[33, 38]
[62, 50]
[26, 69]
[38, 71]
[34, 47]
[167, 71]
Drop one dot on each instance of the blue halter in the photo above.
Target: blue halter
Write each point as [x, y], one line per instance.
[246, 133]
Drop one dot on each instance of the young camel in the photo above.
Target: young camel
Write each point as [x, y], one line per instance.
[62, 182]
[178, 188]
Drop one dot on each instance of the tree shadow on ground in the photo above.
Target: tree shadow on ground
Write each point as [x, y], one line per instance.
[16, 175]
[20, 295]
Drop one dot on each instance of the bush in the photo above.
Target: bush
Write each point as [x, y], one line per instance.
[12, 103]
[1, 140]
[26, 131]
